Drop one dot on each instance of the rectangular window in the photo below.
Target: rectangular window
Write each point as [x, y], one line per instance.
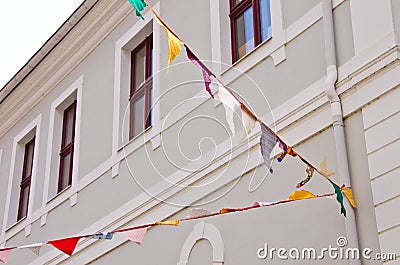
[67, 147]
[250, 25]
[141, 87]
[26, 180]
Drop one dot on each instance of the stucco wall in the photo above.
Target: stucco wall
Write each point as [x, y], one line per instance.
[108, 194]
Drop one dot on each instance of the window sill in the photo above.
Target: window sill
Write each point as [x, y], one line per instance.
[17, 223]
[146, 135]
[247, 55]
[64, 191]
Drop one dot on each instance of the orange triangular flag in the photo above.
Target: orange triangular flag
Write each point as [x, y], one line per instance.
[66, 245]
[348, 192]
[224, 211]
[174, 223]
[300, 195]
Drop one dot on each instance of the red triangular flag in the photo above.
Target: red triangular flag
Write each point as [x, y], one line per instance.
[66, 245]
[5, 254]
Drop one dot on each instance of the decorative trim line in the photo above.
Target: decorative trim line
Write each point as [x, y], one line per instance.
[115, 170]
[301, 106]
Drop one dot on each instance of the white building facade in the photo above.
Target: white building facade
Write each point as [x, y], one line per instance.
[96, 135]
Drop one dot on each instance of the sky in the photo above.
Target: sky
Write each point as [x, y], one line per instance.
[25, 25]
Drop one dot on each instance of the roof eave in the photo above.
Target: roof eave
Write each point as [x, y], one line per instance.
[47, 47]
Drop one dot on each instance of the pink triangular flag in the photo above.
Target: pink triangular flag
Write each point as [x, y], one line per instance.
[66, 245]
[206, 73]
[263, 204]
[136, 235]
[5, 254]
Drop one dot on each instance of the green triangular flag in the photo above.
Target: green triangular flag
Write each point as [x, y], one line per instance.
[139, 5]
[339, 197]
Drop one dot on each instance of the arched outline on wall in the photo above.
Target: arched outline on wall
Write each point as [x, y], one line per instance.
[208, 232]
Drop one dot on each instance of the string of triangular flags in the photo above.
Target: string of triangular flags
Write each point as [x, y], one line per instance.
[136, 234]
[231, 103]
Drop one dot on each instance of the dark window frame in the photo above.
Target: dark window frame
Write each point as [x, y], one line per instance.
[26, 180]
[144, 89]
[235, 11]
[67, 148]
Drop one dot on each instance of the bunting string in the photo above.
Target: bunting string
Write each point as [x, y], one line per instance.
[268, 140]
[243, 106]
[137, 233]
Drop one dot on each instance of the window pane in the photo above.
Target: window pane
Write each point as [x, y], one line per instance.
[28, 159]
[148, 118]
[140, 66]
[64, 177]
[138, 115]
[265, 19]
[237, 1]
[151, 60]
[24, 202]
[244, 32]
[69, 126]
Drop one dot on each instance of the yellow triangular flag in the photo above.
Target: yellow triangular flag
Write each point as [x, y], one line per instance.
[301, 194]
[174, 44]
[348, 192]
[323, 169]
[173, 222]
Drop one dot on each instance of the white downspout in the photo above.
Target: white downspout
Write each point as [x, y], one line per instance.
[337, 119]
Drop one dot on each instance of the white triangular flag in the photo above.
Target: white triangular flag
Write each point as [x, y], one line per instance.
[323, 169]
[268, 141]
[230, 104]
[35, 248]
[197, 213]
[248, 123]
[263, 204]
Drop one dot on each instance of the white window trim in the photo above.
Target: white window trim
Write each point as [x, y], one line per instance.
[76, 86]
[153, 132]
[208, 232]
[219, 11]
[273, 47]
[17, 225]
